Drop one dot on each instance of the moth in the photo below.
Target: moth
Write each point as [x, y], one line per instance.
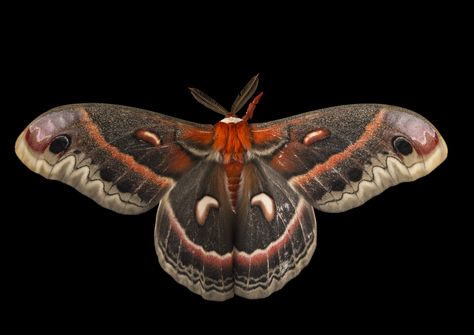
[236, 199]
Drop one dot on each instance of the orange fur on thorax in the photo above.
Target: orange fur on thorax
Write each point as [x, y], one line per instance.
[232, 140]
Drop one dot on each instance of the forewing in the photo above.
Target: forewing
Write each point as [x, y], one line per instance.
[340, 157]
[124, 158]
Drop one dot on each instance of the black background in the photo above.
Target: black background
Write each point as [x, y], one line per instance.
[387, 260]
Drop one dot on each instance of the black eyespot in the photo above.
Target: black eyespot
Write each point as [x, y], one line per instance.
[338, 185]
[354, 174]
[125, 186]
[108, 174]
[60, 144]
[402, 146]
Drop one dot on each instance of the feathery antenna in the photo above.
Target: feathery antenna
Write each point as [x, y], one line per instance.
[247, 92]
[207, 101]
[244, 96]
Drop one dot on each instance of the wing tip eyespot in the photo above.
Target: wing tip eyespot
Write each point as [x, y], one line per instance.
[60, 144]
[402, 146]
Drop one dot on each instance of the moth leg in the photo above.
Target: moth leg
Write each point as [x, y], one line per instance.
[249, 113]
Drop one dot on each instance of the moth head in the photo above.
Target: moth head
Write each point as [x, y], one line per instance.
[48, 138]
[414, 141]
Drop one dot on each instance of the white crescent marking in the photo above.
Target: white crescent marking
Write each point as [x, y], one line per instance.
[266, 204]
[203, 206]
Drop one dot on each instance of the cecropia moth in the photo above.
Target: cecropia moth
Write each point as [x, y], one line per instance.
[236, 199]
